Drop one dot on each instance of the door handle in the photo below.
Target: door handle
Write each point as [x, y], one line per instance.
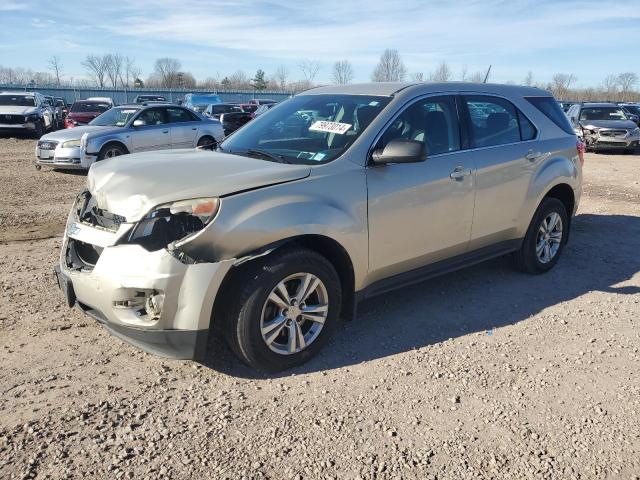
[165, 131]
[533, 156]
[194, 128]
[459, 173]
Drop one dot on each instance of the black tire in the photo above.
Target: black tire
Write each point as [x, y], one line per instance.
[39, 131]
[207, 143]
[248, 296]
[111, 150]
[526, 259]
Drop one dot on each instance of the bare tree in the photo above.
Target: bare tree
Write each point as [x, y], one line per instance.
[390, 68]
[560, 84]
[56, 67]
[442, 73]
[477, 77]
[342, 72]
[96, 66]
[626, 81]
[464, 71]
[280, 77]
[239, 80]
[114, 67]
[309, 69]
[528, 80]
[131, 71]
[166, 70]
[417, 77]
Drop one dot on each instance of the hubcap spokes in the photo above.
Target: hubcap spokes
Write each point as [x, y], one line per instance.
[549, 237]
[294, 313]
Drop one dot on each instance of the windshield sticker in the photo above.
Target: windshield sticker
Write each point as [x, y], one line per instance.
[129, 111]
[318, 156]
[374, 104]
[330, 127]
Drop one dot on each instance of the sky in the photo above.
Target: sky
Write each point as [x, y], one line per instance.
[589, 39]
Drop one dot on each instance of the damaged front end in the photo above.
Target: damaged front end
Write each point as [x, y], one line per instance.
[133, 278]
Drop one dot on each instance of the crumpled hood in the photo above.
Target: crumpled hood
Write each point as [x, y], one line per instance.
[627, 124]
[16, 110]
[131, 185]
[77, 132]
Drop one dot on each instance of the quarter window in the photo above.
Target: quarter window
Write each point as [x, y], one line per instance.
[433, 121]
[527, 130]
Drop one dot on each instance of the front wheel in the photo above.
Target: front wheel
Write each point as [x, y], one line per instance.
[284, 309]
[206, 143]
[545, 238]
[110, 151]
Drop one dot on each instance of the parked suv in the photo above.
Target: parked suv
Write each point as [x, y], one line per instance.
[339, 194]
[605, 126]
[25, 112]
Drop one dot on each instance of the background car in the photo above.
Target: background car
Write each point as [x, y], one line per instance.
[83, 111]
[230, 115]
[632, 109]
[149, 98]
[25, 112]
[605, 126]
[199, 101]
[262, 109]
[127, 129]
[56, 108]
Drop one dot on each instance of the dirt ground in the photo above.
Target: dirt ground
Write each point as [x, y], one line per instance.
[483, 373]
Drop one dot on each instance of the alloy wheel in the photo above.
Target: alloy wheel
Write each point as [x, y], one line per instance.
[294, 313]
[549, 237]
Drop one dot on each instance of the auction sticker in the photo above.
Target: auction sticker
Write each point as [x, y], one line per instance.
[330, 127]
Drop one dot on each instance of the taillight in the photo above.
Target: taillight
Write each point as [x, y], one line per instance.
[581, 148]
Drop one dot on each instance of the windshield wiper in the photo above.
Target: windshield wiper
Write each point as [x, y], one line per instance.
[264, 154]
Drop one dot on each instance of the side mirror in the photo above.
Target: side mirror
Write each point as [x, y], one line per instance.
[139, 123]
[401, 150]
[634, 118]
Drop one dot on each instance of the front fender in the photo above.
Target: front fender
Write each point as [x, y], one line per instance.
[95, 143]
[250, 221]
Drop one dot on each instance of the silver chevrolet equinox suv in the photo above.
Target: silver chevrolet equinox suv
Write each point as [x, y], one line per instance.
[333, 196]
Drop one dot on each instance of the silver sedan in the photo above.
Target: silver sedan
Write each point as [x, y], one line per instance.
[127, 129]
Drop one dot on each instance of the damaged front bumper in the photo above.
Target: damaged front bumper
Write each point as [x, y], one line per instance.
[606, 139]
[150, 299]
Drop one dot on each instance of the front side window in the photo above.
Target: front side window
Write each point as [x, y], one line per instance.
[153, 116]
[433, 121]
[494, 121]
[115, 117]
[307, 129]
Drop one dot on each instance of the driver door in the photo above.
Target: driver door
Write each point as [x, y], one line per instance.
[154, 134]
[420, 213]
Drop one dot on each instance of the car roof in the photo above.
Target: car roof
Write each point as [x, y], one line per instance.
[599, 104]
[29, 94]
[149, 104]
[392, 88]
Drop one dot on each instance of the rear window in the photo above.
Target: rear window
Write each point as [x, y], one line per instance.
[552, 111]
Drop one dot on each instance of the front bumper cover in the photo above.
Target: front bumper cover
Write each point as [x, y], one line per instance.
[111, 290]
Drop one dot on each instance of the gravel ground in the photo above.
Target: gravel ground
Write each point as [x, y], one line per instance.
[483, 373]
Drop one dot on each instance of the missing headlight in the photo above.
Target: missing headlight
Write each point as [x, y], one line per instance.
[173, 222]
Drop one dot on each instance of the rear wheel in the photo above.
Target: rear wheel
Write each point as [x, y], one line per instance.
[111, 150]
[284, 309]
[545, 238]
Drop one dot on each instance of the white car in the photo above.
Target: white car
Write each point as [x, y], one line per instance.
[25, 112]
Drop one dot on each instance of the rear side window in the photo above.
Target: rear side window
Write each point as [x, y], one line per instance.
[179, 115]
[552, 111]
[494, 121]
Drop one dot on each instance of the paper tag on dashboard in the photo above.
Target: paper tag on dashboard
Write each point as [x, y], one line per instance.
[330, 127]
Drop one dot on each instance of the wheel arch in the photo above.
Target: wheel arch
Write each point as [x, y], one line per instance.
[329, 248]
[113, 141]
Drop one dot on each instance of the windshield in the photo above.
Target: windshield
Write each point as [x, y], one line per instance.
[116, 117]
[602, 113]
[634, 109]
[18, 100]
[308, 129]
[90, 107]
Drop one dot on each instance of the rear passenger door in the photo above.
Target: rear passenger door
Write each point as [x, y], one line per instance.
[154, 134]
[184, 127]
[420, 213]
[502, 140]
